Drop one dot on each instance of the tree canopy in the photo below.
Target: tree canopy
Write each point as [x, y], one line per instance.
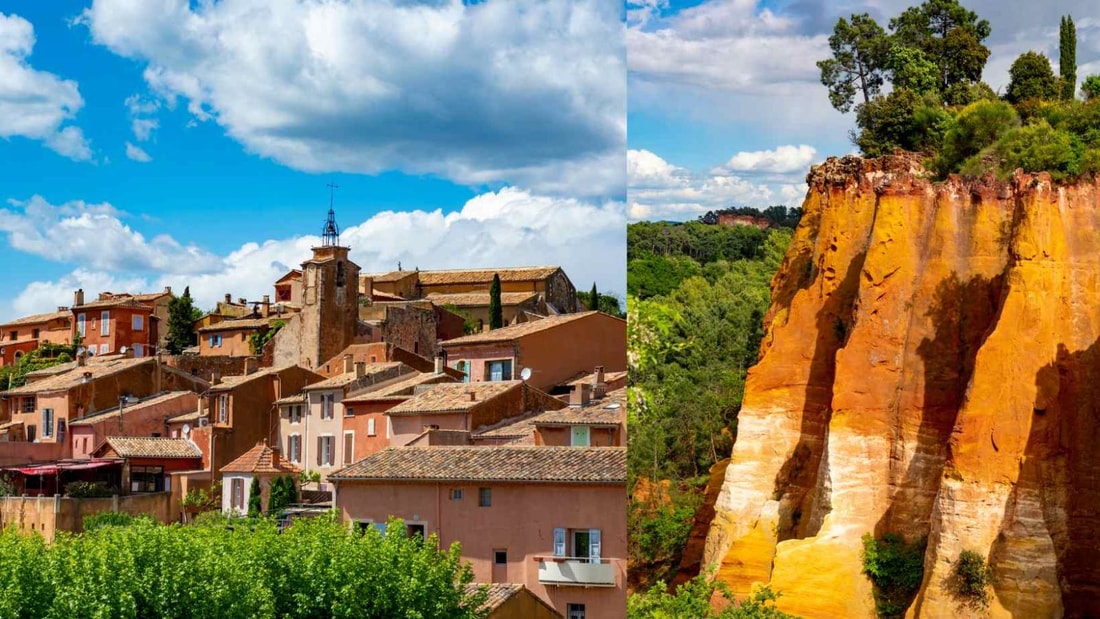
[1067, 57]
[181, 321]
[1031, 78]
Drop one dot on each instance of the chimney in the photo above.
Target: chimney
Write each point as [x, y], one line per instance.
[228, 298]
[215, 378]
[78, 297]
[599, 385]
[81, 359]
[472, 394]
[168, 290]
[87, 377]
[349, 364]
[62, 308]
[129, 354]
[250, 365]
[599, 375]
[581, 395]
[242, 301]
[275, 457]
[265, 306]
[360, 369]
[367, 288]
[439, 364]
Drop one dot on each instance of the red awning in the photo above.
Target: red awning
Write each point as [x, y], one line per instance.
[51, 469]
[37, 470]
[94, 464]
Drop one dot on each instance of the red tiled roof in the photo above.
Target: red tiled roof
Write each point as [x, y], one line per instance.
[453, 397]
[479, 299]
[152, 447]
[260, 459]
[597, 465]
[515, 332]
[37, 318]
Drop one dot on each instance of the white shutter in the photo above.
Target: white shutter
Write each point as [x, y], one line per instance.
[370, 427]
[559, 542]
[593, 545]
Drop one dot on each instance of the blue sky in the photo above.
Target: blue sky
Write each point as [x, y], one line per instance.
[726, 107]
[176, 143]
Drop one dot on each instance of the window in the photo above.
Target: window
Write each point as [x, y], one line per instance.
[559, 542]
[456, 494]
[14, 335]
[35, 333]
[215, 341]
[47, 422]
[574, 611]
[370, 427]
[60, 430]
[223, 408]
[236, 493]
[150, 479]
[138, 322]
[84, 445]
[415, 530]
[81, 326]
[104, 349]
[349, 411]
[294, 448]
[295, 413]
[327, 402]
[484, 497]
[341, 274]
[461, 367]
[32, 433]
[325, 445]
[500, 557]
[105, 318]
[139, 351]
[586, 544]
[499, 370]
[349, 446]
[28, 404]
[579, 437]
[389, 428]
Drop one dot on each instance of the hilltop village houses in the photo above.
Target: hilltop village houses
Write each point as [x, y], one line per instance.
[379, 395]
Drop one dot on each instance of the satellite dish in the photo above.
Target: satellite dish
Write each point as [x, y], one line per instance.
[525, 374]
[122, 351]
[81, 350]
[186, 430]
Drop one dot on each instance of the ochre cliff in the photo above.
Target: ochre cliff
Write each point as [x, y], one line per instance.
[931, 368]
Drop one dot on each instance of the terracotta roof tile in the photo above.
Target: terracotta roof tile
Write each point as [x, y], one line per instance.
[348, 378]
[260, 459]
[479, 299]
[452, 397]
[73, 375]
[391, 276]
[152, 447]
[38, 318]
[241, 323]
[400, 386]
[485, 276]
[608, 410]
[515, 332]
[608, 377]
[501, 464]
[115, 301]
[112, 413]
[231, 382]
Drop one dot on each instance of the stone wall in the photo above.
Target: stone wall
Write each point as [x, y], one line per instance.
[47, 515]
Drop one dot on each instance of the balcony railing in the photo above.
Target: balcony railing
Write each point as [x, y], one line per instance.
[576, 571]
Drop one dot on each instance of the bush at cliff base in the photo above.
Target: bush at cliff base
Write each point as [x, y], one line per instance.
[315, 568]
[692, 600]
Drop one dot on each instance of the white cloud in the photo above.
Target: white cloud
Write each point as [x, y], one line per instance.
[521, 93]
[140, 109]
[35, 104]
[93, 235]
[659, 190]
[137, 154]
[782, 160]
[509, 227]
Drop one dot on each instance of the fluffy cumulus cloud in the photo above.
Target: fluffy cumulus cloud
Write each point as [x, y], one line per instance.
[520, 93]
[36, 104]
[659, 190]
[137, 154]
[509, 227]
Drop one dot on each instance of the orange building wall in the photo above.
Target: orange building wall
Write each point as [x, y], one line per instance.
[366, 445]
[144, 421]
[521, 519]
[234, 343]
[121, 332]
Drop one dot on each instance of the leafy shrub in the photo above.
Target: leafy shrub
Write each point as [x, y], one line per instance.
[1090, 88]
[901, 120]
[281, 493]
[660, 527]
[213, 518]
[971, 578]
[896, 569]
[976, 127]
[88, 490]
[1035, 148]
[113, 519]
[692, 601]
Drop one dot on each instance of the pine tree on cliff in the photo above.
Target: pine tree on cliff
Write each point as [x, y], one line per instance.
[496, 312]
[594, 298]
[181, 332]
[1067, 57]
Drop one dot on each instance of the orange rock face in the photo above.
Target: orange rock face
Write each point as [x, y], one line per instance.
[931, 368]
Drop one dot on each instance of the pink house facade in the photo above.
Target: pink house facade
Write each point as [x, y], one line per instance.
[550, 518]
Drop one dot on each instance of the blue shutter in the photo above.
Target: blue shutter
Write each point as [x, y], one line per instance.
[559, 542]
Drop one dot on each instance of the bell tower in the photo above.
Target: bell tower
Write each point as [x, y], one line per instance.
[330, 297]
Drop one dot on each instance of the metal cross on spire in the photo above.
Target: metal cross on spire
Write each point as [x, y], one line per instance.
[330, 235]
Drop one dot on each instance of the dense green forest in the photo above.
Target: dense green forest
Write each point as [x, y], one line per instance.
[697, 298]
[314, 568]
[933, 56]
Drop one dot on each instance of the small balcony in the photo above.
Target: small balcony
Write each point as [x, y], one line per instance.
[576, 571]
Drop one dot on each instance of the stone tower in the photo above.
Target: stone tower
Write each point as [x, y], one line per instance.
[330, 299]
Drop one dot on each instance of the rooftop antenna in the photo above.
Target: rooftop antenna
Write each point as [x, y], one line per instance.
[330, 235]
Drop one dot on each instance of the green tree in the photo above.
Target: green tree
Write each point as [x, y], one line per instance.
[976, 127]
[1031, 78]
[901, 119]
[594, 298]
[859, 61]
[692, 600]
[911, 70]
[1090, 88]
[280, 494]
[1067, 57]
[181, 321]
[496, 311]
[948, 35]
[255, 500]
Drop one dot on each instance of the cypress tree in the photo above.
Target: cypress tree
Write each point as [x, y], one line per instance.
[496, 312]
[594, 298]
[1067, 57]
[255, 503]
[181, 333]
